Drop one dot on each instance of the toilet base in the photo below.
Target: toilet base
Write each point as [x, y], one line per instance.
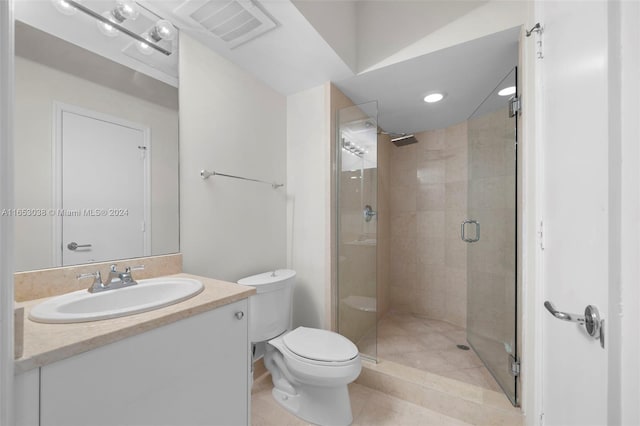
[325, 406]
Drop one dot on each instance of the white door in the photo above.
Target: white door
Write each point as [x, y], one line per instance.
[104, 194]
[576, 207]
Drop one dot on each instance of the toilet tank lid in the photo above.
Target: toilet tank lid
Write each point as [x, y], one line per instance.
[268, 279]
[320, 345]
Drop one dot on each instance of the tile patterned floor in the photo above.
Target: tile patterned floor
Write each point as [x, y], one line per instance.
[430, 345]
[370, 408]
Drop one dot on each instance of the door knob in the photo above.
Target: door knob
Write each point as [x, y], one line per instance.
[73, 246]
[591, 320]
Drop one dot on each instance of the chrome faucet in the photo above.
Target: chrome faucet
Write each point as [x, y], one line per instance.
[114, 280]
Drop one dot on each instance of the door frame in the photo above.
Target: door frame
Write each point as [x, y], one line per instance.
[6, 201]
[58, 109]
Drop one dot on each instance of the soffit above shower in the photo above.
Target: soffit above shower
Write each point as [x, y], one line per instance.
[466, 73]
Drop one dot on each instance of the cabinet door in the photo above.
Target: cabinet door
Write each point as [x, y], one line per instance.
[26, 398]
[191, 372]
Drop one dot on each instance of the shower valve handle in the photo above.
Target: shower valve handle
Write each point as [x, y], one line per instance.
[368, 213]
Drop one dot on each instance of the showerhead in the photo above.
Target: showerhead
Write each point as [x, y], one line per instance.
[400, 139]
[404, 140]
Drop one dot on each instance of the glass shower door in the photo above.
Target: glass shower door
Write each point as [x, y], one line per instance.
[357, 187]
[490, 231]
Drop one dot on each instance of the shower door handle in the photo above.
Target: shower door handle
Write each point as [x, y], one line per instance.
[462, 231]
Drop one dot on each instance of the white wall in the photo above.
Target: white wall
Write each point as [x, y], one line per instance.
[37, 88]
[308, 206]
[232, 123]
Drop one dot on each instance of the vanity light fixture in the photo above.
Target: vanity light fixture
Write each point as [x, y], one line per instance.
[353, 148]
[162, 30]
[64, 7]
[433, 97]
[507, 91]
[110, 23]
[125, 9]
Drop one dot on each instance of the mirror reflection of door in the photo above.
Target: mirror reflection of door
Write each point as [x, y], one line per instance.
[102, 187]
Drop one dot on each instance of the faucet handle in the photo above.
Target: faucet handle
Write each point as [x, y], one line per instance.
[97, 282]
[134, 268]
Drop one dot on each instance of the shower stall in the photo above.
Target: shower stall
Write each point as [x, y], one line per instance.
[426, 242]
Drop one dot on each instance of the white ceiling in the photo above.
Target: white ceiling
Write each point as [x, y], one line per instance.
[290, 58]
[316, 41]
[466, 73]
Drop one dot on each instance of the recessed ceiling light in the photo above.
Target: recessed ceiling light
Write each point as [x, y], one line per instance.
[507, 91]
[433, 97]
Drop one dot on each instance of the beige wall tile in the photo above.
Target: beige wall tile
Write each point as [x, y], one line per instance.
[403, 198]
[456, 164]
[430, 224]
[403, 224]
[431, 251]
[456, 136]
[431, 196]
[456, 296]
[456, 196]
[431, 140]
[431, 171]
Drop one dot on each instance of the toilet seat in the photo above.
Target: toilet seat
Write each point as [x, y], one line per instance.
[312, 371]
[323, 346]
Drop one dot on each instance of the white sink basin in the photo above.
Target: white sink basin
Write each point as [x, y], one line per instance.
[82, 306]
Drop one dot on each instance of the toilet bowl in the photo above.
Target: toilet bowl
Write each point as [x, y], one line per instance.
[310, 368]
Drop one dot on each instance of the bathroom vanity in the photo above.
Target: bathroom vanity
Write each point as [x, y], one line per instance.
[186, 363]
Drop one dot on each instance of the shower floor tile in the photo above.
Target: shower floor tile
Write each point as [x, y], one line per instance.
[428, 345]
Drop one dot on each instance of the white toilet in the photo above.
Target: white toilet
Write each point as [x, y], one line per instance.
[310, 368]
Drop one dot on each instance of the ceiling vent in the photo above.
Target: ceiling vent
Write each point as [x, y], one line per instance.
[234, 22]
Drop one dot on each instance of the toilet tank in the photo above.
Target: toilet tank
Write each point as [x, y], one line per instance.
[270, 307]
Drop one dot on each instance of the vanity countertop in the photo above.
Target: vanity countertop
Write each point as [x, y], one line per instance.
[47, 343]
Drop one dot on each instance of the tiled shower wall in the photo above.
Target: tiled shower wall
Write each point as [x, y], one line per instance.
[428, 201]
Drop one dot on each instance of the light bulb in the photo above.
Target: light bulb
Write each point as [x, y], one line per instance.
[434, 97]
[64, 7]
[144, 48]
[106, 29]
[163, 30]
[125, 9]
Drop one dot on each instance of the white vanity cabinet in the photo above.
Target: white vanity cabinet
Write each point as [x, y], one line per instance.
[190, 372]
[26, 398]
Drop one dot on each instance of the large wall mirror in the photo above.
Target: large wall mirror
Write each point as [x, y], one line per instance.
[96, 126]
